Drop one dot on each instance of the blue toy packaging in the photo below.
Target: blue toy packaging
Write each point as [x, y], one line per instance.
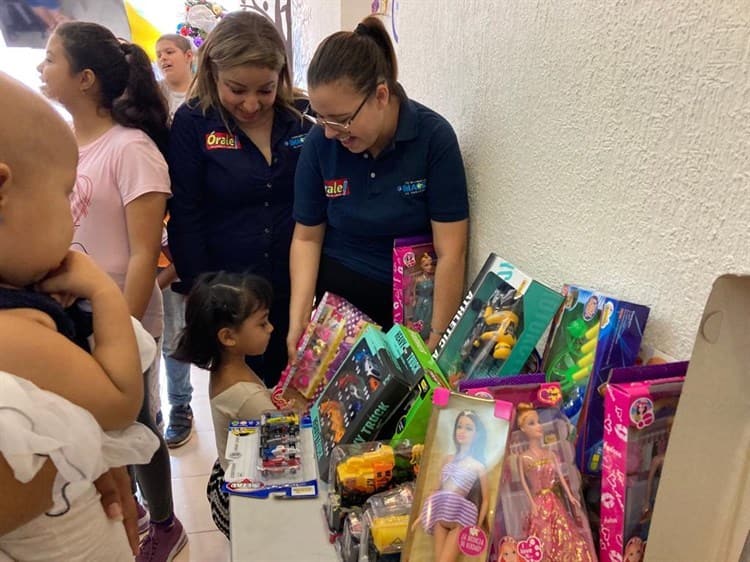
[498, 324]
[592, 334]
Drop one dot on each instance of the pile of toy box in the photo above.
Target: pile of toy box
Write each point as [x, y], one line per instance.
[500, 445]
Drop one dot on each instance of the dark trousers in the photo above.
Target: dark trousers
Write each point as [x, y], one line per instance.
[372, 297]
[269, 365]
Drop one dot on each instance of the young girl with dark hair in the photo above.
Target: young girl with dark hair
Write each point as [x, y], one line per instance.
[226, 318]
[233, 150]
[379, 166]
[118, 203]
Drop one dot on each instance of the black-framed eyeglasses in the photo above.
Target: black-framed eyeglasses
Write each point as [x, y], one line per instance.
[335, 125]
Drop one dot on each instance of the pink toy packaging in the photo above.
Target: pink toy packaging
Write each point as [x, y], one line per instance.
[333, 328]
[637, 423]
[414, 261]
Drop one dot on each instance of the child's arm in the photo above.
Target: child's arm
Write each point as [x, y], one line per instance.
[143, 216]
[23, 502]
[107, 383]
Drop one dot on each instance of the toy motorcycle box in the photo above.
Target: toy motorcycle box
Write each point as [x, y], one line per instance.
[497, 326]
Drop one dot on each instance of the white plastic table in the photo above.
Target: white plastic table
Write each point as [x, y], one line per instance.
[273, 530]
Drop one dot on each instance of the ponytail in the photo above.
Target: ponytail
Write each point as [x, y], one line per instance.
[365, 57]
[127, 87]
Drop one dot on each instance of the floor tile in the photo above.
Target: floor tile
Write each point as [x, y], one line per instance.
[191, 505]
[209, 546]
[196, 457]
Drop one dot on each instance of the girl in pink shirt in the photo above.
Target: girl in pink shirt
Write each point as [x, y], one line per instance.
[118, 203]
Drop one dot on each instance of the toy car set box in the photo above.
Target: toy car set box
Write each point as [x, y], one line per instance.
[273, 455]
[365, 392]
[498, 324]
[414, 261]
[638, 420]
[592, 334]
[702, 509]
[457, 486]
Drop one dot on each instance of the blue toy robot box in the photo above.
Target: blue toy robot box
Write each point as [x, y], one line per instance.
[592, 334]
[498, 324]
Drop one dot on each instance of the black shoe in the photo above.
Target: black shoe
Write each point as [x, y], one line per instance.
[180, 426]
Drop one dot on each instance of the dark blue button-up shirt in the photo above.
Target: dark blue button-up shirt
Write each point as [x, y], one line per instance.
[368, 202]
[230, 209]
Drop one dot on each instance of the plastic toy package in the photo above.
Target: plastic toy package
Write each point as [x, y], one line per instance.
[498, 324]
[592, 334]
[385, 522]
[457, 486]
[366, 391]
[360, 470]
[540, 515]
[638, 422]
[273, 455]
[414, 262]
[332, 330]
[347, 545]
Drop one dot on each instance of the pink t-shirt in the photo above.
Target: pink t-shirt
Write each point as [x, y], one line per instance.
[118, 167]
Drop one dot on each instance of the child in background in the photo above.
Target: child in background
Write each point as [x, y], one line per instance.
[174, 56]
[50, 509]
[226, 318]
[118, 202]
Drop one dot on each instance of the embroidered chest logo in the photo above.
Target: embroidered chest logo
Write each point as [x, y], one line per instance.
[414, 187]
[337, 188]
[224, 141]
[296, 141]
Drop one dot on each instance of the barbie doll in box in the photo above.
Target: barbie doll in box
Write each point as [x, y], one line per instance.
[548, 518]
[420, 318]
[461, 501]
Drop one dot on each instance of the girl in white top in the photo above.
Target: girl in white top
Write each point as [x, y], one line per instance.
[226, 318]
[118, 204]
[174, 55]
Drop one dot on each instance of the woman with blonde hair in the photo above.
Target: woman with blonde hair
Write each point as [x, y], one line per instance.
[232, 155]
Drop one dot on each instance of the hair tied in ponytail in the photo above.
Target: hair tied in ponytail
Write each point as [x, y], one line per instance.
[362, 29]
[126, 48]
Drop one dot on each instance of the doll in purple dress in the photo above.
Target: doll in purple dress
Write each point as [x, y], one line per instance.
[461, 500]
[563, 538]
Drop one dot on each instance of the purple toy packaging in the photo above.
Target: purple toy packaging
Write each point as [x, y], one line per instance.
[638, 421]
[592, 334]
[414, 261]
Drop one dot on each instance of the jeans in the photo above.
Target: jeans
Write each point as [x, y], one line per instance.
[179, 389]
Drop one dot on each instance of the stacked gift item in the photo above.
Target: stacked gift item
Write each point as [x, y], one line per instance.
[334, 327]
[414, 261]
[498, 325]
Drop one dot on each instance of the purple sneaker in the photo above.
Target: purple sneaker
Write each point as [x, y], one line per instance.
[143, 518]
[163, 542]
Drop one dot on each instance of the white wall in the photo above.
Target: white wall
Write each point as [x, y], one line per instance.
[606, 146]
[312, 21]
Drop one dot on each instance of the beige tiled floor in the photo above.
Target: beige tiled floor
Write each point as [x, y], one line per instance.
[191, 465]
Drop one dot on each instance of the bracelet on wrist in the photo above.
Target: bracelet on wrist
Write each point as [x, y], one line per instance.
[436, 332]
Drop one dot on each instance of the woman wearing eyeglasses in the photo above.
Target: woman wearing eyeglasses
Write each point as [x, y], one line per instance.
[233, 151]
[378, 166]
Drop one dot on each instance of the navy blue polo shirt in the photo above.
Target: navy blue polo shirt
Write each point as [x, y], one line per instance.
[368, 202]
[230, 209]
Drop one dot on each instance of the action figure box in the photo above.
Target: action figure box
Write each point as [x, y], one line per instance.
[498, 324]
[414, 262]
[412, 356]
[637, 425]
[540, 513]
[327, 339]
[702, 509]
[457, 486]
[366, 391]
[592, 334]
[360, 470]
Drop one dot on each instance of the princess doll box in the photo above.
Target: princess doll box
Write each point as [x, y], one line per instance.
[413, 282]
[497, 326]
[702, 510]
[638, 420]
[456, 494]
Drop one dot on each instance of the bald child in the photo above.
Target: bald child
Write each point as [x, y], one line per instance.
[38, 158]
